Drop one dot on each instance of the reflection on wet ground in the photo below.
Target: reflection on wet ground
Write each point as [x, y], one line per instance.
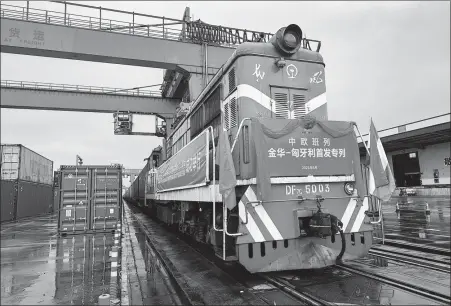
[38, 267]
[413, 224]
[149, 282]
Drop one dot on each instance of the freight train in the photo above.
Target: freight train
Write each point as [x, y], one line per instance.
[256, 169]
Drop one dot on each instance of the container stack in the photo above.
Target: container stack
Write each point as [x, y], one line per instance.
[26, 183]
[90, 199]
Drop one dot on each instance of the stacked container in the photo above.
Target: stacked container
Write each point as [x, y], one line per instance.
[90, 198]
[26, 183]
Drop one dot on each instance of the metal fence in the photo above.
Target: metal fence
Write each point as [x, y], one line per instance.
[79, 88]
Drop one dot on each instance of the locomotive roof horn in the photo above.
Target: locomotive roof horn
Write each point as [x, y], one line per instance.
[288, 39]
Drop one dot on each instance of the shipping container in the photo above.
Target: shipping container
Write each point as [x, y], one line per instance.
[21, 199]
[90, 198]
[20, 163]
[8, 198]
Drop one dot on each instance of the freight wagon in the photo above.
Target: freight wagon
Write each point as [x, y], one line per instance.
[26, 183]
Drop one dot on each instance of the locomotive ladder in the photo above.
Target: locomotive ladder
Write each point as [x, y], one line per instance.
[213, 196]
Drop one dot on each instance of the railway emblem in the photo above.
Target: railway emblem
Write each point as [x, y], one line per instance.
[260, 75]
[317, 78]
[292, 71]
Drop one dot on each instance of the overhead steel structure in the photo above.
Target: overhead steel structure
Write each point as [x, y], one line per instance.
[80, 98]
[190, 51]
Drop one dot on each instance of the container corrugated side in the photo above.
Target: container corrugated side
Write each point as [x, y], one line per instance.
[19, 162]
[74, 201]
[8, 200]
[34, 167]
[106, 198]
[22, 199]
[33, 199]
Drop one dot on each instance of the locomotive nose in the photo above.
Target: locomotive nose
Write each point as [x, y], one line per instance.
[288, 39]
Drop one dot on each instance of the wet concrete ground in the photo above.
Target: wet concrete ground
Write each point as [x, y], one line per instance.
[40, 268]
[148, 282]
[412, 224]
[199, 281]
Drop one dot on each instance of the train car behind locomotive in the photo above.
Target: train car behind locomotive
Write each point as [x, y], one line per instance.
[293, 194]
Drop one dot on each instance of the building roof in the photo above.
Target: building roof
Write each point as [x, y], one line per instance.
[417, 134]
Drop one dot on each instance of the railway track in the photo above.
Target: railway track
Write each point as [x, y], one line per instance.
[421, 291]
[290, 289]
[303, 297]
[413, 259]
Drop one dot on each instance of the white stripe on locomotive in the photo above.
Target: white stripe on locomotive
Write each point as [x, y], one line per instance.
[263, 215]
[251, 226]
[248, 91]
[360, 216]
[348, 212]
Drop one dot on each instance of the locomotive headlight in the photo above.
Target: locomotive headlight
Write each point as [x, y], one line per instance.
[288, 39]
[349, 188]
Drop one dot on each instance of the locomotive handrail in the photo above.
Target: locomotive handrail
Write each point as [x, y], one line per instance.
[238, 133]
[214, 178]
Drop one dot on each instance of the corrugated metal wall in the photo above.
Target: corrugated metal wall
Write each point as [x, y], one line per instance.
[21, 199]
[35, 168]
[19, 162]
[8, 198]
[33, 199]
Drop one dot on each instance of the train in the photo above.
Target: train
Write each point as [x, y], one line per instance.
[255, 169]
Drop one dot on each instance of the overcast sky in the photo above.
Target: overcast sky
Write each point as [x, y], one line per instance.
[388, 60]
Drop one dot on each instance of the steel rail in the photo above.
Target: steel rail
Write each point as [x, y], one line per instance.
[291, 290]
[407, 260]
[413, 255]
[413, 260]
[436, 296]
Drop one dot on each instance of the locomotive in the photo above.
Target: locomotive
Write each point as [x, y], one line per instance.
[259, 136]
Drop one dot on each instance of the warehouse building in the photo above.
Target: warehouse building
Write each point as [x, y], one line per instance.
[419, 154]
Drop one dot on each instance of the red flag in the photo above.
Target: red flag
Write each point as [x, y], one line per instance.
[227, 175]
[381, 181]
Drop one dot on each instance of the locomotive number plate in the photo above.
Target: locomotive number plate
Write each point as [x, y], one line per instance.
[306, 189]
